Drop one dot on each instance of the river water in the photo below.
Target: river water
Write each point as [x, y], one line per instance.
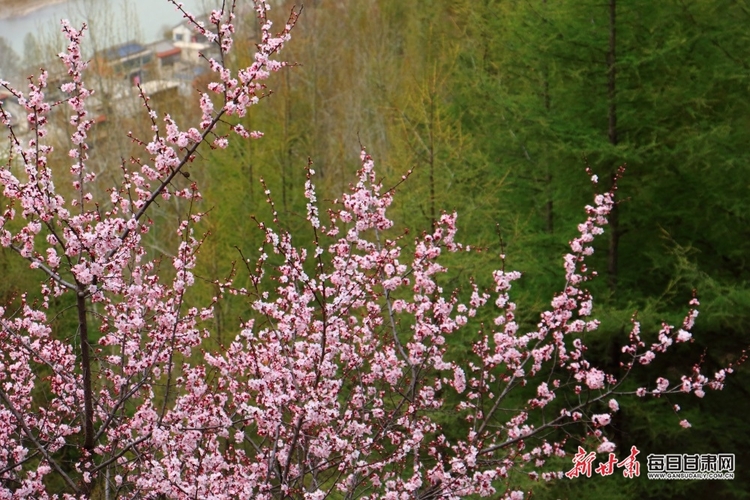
[110, 21]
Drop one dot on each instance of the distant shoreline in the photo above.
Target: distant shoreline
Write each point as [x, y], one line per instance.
[10, 9]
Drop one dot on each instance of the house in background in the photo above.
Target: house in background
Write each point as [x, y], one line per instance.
[190, 41]
[126, 61]
[167, 54]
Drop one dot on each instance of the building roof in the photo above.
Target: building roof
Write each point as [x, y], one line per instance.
[123, 51]
[186, 23]
[167, 53]
[165, 48]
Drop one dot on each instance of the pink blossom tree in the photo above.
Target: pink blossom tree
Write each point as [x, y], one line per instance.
[336, 387]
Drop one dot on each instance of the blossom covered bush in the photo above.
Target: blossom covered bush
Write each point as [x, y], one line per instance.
[337, 387]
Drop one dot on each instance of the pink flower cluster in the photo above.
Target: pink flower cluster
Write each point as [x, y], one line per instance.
[341, 380]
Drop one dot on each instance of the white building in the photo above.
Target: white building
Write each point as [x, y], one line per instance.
[191, 42]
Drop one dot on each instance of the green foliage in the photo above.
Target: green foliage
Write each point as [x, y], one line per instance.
[498, 107]
[534, 81]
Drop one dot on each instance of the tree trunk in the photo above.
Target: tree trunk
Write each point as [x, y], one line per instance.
[614, 222]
